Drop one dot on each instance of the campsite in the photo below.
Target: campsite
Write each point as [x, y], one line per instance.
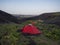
[29, 22]
[9, 34]
[49, 36]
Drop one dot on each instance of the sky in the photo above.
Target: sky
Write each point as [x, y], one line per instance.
[30, 7]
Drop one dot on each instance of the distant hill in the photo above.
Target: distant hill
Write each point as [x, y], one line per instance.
[6, 17]
[23, 16]
[49, 18]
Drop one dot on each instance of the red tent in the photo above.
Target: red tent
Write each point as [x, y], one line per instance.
[30, 29]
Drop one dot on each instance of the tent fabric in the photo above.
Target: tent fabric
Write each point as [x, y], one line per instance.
[30, 29]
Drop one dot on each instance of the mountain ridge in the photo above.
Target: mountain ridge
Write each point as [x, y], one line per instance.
[6, 17]
[48, 18]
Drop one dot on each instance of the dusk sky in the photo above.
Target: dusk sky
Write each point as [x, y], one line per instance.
[31, 7]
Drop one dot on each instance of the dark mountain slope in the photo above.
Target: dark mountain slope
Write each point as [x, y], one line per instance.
[5, 17]
[55, 20]
[49, 18]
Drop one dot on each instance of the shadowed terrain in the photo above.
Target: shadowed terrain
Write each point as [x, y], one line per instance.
[6, 17]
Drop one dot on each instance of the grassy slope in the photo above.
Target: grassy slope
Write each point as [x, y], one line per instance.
[50, 34]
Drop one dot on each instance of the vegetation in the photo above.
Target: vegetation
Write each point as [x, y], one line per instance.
[9, 35]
